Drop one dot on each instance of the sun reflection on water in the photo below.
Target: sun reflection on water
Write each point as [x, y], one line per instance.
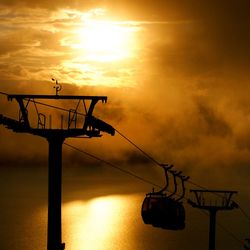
[96, 224]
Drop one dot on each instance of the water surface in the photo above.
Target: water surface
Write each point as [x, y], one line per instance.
[96, 216]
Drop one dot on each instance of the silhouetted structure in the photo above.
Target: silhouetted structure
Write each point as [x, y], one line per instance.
[224, 203]
[91, 127]
[162, 210]
[247, 246]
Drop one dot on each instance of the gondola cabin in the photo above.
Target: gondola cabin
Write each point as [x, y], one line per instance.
[162, 211]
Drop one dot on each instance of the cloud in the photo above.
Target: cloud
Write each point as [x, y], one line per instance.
[183, 98]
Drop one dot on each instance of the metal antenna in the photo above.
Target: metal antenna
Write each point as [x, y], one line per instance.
[58, 86]
[224, 203]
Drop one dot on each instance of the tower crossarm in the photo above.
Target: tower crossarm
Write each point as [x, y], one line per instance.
[91, 126]
[221, 199]
[20, 99]
[58, 97]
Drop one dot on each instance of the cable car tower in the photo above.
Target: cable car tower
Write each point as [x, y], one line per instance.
[223, 202]
[88, 127]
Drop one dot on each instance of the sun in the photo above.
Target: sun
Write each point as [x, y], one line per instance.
[104, 41]
[101, 49]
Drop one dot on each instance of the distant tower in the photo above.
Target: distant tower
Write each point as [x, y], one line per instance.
[222, 201]
[89, 126]
[247, 247]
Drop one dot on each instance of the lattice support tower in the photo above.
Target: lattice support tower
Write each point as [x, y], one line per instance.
[91, 127]
[221, 201]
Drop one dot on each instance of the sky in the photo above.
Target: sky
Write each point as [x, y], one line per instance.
[176, 74]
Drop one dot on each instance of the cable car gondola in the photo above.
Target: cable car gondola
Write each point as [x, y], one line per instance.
[162, 210]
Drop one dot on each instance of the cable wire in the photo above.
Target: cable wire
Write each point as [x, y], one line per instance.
[142, 151]
[3, 93]
[244, 213]
[125, 171]
[132, 174]
[230, 233]
[148, 156]
[158, 164]
[112, 165]
[131, 142]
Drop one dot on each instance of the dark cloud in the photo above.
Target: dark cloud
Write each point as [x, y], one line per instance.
[136, 158]
[211, 123]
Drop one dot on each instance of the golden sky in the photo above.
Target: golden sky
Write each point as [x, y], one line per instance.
[176, 73]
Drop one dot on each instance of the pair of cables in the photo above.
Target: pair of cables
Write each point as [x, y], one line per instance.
[226, 230]
[133, 174]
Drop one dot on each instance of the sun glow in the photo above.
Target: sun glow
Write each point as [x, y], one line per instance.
[104, 41]
[101, 50]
